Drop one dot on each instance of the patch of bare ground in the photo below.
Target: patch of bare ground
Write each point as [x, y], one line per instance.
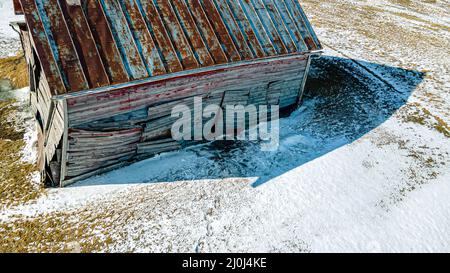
[415, 113]
[77, 231]
[15, 185]
[74, 231]
[14, 70]
[423, 167]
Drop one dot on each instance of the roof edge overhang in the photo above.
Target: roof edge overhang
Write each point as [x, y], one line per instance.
[185, 73]
[17, 7]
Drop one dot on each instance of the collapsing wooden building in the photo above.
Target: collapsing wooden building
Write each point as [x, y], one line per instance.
[104, 74]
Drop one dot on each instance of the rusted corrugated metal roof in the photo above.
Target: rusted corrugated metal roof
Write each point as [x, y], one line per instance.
[85, 44]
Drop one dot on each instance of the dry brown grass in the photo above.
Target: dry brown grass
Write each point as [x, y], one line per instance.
[57, 232]
[79, 231]
[15, 70]
[15, 185]
[415, 113]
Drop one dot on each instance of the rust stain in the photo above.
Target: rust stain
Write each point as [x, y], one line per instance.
[105, 41]
[85, 44]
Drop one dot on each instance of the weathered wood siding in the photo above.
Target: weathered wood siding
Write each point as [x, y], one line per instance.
[116, 127]
[49, 114]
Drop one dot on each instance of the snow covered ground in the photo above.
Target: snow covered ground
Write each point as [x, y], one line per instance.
[9, 39]
[363, 165]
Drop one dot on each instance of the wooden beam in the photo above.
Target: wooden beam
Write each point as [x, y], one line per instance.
[43, 50]
[221, 31]
[143, 38]
[192, 33]
[104, 39]
[84, 44]
[207, 31]
[158, 30]
[70, 65]
[123, 38]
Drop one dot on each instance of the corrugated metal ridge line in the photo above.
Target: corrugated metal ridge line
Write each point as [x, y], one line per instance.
[233, 29]
[103, 36]
[301, 25]
[246, 29]
[207, 32]
[307, 22]
[84, 43]
[158, 30]
[123, 38]
[69, 60]
[271, 30]
[291, 26]
[176, 34]
[43, 48]
[142, 37]
[221, 31]
[280, 25]
[192, 33]
[258, 27]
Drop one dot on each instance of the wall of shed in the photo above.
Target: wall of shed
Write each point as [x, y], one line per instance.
[110, 129]
[49, 114]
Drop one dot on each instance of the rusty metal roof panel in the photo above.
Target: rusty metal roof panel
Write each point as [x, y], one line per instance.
[85, 44]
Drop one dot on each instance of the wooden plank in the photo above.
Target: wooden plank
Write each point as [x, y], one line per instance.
[258, 27]
[64, 143]
[143, 38]
[307, 24]
[298, 19]
[89, 152]
[280, 25]
[158, 146]
[244, 24]
[84, 43]
[72, 180]
[291, 26]
[192, 33]
[123, 38]
[80, 158]
[46, 57]
[207, 32]
[221, 31]
[17, 7]
[305, 77]
[271, 30]
[156, 27]
[126, 100]
[234, 30]
[103, 38]
[176, 34]
[73, 74]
